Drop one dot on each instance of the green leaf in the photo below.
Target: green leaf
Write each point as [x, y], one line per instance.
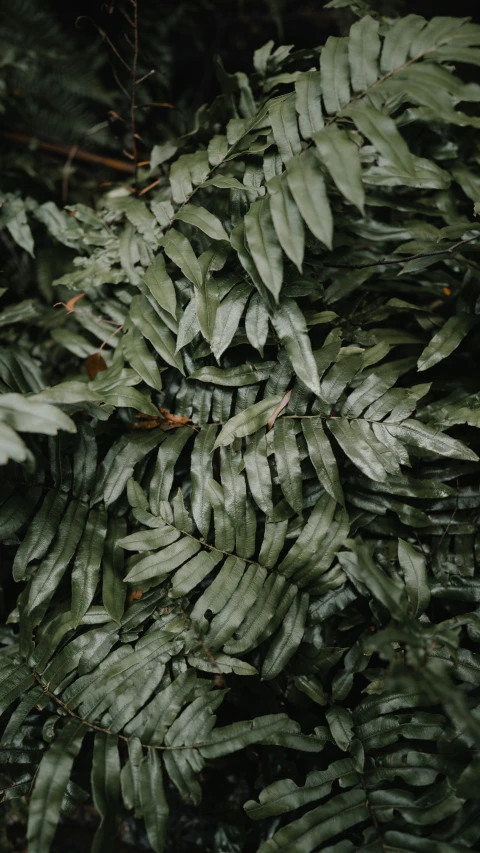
[179, 250]
[224, 182]
[140, 358]
[160, 285]
[264, 247]
[50, 786]
[284, 795]
[308, 103]
[311, 537]
[319, 825]
[14, 680]
[14, 214]
[172, 557]
[106, 790]
[357, 449]
[363, 51]
[383, 134]
[217, 149]
[153, 800]
[201, 472]
[180, 179]
[26, 414]
[287, 460]
[335, 74]
[247, 422]
[86, 567]
[130, 398]
[11, 446]
[425, 437]
[360, 567]
[192, 726]
[53, 566]
[154, 329]
[201, 218]
[288, 638]
[413, 566]
[118, 465]
[40, 533]
[341, 157]
[225, 623]
[256, 323]
[322, 457]
[398, 40]
[234, 377]
[283, 117]
[289, 324]
[445, 341]
[192, 573]
[439, 30]
[161, 153]
[237, 504]
[341, 726]
[167, 457]
[228, 739]
[305, 180]
[258, 470]
[113, 586]
[287, 220]
[228, 317]
[21, 312]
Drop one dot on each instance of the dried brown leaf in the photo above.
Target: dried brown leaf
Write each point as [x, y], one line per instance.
[95, 363]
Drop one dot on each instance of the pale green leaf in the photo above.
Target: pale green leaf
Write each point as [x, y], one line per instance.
[445, 341]
[335, 73]
[287, 221]
[263, 244]
[201, 218]
[289, 324]
[305, 180]
[308, 103]
[160, 285]
[283, 117]
[363, 50]
[180, 251]
[247, 422]
[341, 157]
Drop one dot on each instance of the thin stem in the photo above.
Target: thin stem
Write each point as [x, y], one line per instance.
[96, 728]
[133, 90]
[385, 261]
[148, 74]
[105, 38]
[151, 187]
[115, 332]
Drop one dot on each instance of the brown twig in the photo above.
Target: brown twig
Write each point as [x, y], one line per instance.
[133, 90]
[87, 156]
[150, 187]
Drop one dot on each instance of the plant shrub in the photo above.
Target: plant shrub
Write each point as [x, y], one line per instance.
[242, 497]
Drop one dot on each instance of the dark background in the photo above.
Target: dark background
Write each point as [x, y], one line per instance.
[61, 78]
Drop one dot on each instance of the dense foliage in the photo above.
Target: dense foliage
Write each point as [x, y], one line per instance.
[240, 513]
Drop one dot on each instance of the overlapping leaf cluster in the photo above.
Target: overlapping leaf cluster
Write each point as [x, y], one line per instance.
[302, 290]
